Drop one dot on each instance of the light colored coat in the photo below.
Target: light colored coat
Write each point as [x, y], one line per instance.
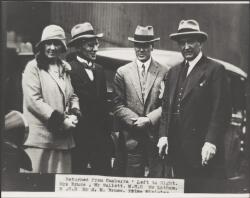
[128, 99]
[42, 94]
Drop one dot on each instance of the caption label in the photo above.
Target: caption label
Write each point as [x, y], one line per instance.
[87, 183]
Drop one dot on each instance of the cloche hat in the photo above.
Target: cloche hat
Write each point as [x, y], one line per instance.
[52, 32]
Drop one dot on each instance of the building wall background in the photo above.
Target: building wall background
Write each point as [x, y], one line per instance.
[227, 25]
[27, 19]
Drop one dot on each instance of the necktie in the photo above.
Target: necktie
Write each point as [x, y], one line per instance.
[89, 65]
[143, 80]
[90, 70]
[143, 71]
[185, 70]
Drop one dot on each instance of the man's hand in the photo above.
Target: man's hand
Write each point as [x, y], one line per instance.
[163, 146]
[207, 153]
[141, 122]
[73, 118]
[162, 88]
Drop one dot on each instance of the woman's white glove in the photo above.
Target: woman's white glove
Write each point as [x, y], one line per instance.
[70, 122]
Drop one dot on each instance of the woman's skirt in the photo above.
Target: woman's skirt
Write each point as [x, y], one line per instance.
[49, 160]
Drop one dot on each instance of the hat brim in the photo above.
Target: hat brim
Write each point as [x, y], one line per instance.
[39, 44]
[137, 41]
[177, 36]
[86, 36]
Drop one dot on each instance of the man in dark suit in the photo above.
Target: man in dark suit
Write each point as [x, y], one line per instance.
[196, 109]
[93, 140]
[137, 106]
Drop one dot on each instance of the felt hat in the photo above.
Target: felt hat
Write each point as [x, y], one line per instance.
[189, 28]
[143, 35]
[83, 31]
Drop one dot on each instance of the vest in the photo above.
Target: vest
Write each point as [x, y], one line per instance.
[180, 88]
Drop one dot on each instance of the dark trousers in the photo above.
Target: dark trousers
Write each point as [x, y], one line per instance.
[145, 156]
[90, 159]
[181, 165]
[135, 165]
[135, 157]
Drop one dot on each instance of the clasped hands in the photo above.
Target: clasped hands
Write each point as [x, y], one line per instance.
[70, 121]
[71, 118]
[141, 122]
[208, 150]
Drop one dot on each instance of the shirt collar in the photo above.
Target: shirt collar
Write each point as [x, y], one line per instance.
[82, 60]
[147, 63]
[193, 62]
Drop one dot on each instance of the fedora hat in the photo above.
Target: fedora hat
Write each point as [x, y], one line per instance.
[83, 31]
[189, 28]
[52, 32]
[143, 35]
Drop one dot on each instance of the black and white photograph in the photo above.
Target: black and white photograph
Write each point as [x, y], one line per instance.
[129, 99]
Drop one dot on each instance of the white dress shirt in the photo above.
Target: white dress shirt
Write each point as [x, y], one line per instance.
[193, 62]
[147, 63]
[89, 71]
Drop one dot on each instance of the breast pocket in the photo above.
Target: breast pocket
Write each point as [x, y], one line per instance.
[201, 89]
[203, 83]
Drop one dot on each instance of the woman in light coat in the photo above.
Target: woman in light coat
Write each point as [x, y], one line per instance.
[49, 105]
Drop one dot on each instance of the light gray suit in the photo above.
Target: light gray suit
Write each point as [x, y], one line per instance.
[128, 103]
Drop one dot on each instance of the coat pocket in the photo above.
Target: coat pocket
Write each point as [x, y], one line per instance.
[203, 83]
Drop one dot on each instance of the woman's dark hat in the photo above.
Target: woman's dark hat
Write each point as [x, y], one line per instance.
[189, 28]
[143, 35]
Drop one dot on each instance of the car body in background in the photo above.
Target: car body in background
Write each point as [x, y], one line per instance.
[235, 155]
[111, 59]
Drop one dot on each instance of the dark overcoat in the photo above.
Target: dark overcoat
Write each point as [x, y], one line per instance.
[92, 131]
[204, 110]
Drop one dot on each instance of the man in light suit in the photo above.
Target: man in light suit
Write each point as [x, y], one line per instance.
[92, 154]
[137, 105]
[196, 109]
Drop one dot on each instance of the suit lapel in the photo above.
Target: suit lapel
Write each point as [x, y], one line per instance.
[83, 72]
[194, 77]
[84, 78]
[97, 78]
[60, 85]
[153, 71]
[173, 82]
[135, 79]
